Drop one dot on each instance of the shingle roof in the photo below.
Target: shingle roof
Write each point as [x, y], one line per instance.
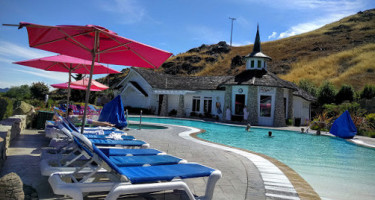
[259, 78]
[166, 81]
[247, 77]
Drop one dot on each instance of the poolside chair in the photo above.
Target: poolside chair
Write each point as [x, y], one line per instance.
[109, 142]
[74, 161]
[129, 180]
[91, 130]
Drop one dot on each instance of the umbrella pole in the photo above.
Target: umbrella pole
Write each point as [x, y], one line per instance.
[67, 103]
[93, 54]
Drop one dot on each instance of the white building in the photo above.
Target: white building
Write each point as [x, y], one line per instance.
[268, 99]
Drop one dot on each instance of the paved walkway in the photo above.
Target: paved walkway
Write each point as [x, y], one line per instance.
[245, 175]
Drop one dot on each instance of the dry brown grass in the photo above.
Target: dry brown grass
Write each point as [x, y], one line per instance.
[355, 67]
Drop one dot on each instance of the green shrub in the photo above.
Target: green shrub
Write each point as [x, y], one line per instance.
[368, 92]
[35, 103]
[6, 108]
[172, 112]
[19, 92]
[326, 93]
[370, 118]
[39, 90]
[308, 86]
[346, 93]
[289, 122]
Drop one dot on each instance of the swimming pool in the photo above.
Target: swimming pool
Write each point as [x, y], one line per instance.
[335, 168]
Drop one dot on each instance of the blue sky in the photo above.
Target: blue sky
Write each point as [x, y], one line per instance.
[172, 25]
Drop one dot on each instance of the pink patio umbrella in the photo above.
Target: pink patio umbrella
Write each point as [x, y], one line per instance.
[63, 63]
[94, 43]
[82, 85]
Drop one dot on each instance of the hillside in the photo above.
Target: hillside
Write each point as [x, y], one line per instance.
[342, 52]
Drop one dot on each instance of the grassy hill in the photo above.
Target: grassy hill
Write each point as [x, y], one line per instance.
[342, 52]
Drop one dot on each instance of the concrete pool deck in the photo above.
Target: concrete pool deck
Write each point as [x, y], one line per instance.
[242, 177]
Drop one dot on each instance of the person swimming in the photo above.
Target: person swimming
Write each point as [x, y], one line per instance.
[270, 134]
[248, 126]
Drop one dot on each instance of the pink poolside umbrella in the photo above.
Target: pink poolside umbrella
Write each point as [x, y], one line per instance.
[63, 63]
[82, 85]
[94, 43]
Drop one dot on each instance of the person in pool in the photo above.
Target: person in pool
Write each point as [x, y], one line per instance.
[77, 119]
[270, 134]
[248, 126]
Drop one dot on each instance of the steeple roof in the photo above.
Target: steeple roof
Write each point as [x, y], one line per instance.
[257, 50]
[257, 47]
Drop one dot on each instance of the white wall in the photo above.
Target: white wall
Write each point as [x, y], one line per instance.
[216, 95]
[173, 102]
[301, 109]
[132, 97]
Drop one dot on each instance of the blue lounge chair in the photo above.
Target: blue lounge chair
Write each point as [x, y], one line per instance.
[74, 161]
[130, 180]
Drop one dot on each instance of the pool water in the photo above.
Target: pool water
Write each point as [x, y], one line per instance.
[335, 168]
[145, 126]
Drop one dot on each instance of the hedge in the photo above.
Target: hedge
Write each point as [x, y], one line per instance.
[6, 108]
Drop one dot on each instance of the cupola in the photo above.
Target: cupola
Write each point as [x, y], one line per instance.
[257, 60]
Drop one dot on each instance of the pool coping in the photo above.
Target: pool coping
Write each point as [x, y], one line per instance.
[280, 181]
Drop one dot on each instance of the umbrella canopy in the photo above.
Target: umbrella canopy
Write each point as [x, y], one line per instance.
[84, 41]
[63, 63]
[94, 43]
[82, 85]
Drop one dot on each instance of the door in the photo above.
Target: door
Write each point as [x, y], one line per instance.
[239, 104]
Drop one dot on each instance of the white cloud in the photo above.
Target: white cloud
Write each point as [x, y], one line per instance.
[237, 44]
[9, 51]
[128, 11]
[273, 35]
[205, 34]
[309, 26]
[56, 76]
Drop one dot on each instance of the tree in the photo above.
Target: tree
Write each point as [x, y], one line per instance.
[77, 95]
[308, 86]
[39, 90]
[368, 92]
[326, 93]
[19, 92]
[346, 93]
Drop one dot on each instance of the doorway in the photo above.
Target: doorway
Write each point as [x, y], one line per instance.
[239, 104]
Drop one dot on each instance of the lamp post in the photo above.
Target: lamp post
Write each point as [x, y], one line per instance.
[231, 29]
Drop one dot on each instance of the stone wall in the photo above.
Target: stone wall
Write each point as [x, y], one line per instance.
[227, 100]
[181, 106]
[290, 104]
[279, 115]
[252, 105]
[164, 106]
[10, 129]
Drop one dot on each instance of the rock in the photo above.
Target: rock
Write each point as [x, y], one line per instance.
[11, 187]
[236, 61]
[23, 109]
[221, 47]
[192, 59]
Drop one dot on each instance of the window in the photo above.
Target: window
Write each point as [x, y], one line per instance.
[207, 104]
[252, 64]
[259, 64]
[265, 106]
[196, 103]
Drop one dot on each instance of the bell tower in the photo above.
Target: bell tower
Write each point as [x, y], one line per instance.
[257, 60]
